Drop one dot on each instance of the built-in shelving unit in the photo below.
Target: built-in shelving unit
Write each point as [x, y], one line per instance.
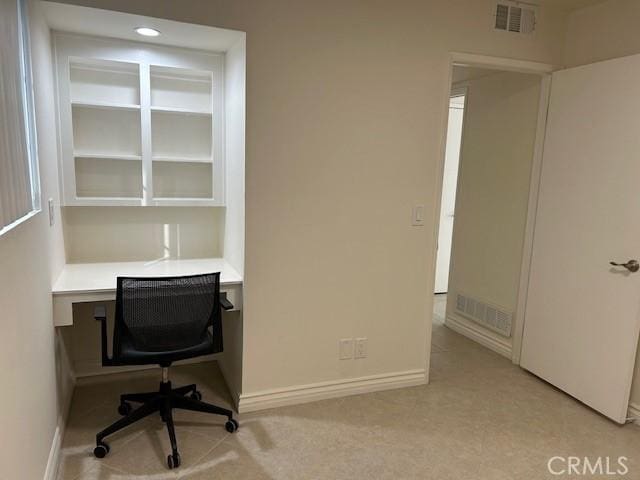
[139, 126]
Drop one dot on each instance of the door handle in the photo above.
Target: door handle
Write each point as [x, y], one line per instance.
[631, 265]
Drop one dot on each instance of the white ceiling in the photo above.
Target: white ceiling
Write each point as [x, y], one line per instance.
[107, 23]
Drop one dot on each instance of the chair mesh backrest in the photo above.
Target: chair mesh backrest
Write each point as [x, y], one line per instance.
[168, 313]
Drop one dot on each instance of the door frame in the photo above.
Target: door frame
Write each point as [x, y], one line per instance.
[505, 64]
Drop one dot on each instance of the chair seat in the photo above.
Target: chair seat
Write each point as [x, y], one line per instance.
[130, 355]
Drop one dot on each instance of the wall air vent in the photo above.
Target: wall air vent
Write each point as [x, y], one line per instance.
[489, 316]
[516, 17]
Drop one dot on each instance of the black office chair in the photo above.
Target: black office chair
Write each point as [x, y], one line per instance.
[158, 321]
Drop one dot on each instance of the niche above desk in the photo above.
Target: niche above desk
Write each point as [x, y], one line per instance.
[129, 234]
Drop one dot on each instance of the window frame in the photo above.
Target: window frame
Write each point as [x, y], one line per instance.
[28, 104]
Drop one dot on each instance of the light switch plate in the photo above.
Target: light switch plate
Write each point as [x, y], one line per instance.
[417, 215]
[52, 219]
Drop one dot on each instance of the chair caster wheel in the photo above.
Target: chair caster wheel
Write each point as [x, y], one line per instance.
[124, 409]
[196, 395]
[173, 461]
[101, 450]
[232, 425]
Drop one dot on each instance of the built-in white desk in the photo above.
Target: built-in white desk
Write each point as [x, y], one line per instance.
[95, 282]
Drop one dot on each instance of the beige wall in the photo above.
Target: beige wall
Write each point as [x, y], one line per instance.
[32, 404]
[602, 32]
[345, 106]
[120, 234]
[498, 140]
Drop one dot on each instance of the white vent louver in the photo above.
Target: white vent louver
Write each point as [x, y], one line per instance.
[489, 316]
[515, 17]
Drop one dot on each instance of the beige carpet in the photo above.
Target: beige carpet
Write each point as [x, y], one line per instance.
[479, 418]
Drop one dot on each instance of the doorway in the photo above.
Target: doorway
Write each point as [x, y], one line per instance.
[449, 185]
[492, 139]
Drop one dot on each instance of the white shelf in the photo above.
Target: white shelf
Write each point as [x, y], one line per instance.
[181, 136]
[100, 82]
[181, 90]
[108, 177]
[185, 111]
[108, 156]
[107, 131]
[138, 125]
[183, 159]
[107, 202]
[182, 180]
[105, 105]
[184, 202]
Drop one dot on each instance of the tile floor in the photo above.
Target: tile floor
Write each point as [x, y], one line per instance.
[479, 418]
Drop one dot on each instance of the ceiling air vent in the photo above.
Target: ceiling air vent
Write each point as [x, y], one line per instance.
[516, 17]
[502, 17]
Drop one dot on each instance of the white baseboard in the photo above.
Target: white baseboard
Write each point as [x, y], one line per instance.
[477, 334]
[51, 472]
[319, 391]
[634, 413]
[53, 462]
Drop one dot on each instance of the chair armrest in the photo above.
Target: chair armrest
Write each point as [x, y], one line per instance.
[224, 302]
[100, 314]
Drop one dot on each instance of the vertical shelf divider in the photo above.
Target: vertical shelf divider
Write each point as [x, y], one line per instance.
[65, 143]
[217, 153]
[145, 131]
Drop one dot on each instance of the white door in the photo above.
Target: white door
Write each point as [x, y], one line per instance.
[449, 184]
[582, 314]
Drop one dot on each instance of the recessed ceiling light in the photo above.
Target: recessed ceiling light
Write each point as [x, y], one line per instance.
[147, 32]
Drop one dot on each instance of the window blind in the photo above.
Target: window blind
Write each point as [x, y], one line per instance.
[18, 164]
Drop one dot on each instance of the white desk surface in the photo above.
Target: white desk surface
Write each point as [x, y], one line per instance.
[101, 277]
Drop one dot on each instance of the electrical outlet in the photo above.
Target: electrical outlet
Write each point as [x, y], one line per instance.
[361, 348]
[346, 348]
